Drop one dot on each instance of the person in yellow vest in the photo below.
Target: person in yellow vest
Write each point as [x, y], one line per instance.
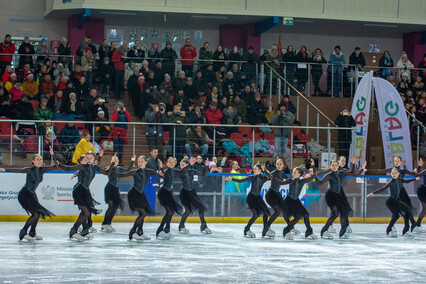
[82, 148]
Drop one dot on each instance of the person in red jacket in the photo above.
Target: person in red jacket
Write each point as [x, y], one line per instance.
[214, 116]
[118, 65]
[188, 52]
[7, 47]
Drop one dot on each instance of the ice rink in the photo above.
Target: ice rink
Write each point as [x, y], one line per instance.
[225, 256]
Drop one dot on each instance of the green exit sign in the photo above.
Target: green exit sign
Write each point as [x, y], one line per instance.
[287, 21]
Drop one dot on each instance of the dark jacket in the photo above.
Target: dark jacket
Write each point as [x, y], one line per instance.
[169, 56]
[106, 73]
[192, 138]
[183, 100]
[70, 135]
[24, 111]
[219, 62]
[206, 55]
[317, 68]
[279, 120]
[249, 67]
[193, 117]
[353, 59]
[180, 129]
[257, 113]
[66, 107]
[289, 106]
[151, 116]
[27, 51]
[344, 121]
[6, 109]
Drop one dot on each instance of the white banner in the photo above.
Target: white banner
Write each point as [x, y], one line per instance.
[54, 193]
[361, 112]
[394, 124]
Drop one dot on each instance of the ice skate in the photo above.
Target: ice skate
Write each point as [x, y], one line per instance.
[416, 229]
[331, 229]
[295, 231]
[93, 230]
[22, 234]
[28, 238]
[74, 235]
[204, 229]
[145, 237]
[310, 235]
[349, 230]
[289, 236]
[183, 230]
[105, 228]
[111, 228]
[270, 234]
[38, 237]
[136, 237]
[408, 235]
[171, 236]
[345, 236]
[392, 234]
[327, 235]
[162, 236]
[86, 234]
[249, 234]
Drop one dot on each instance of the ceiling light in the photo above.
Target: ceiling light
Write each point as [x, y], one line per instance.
[25, 18]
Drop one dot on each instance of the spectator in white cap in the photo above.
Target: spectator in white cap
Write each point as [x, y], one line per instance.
[30, 87]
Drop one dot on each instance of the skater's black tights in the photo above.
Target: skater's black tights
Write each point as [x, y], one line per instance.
[166, 219]
[334, 215]
[254, 218]
[274, 216]
[422, 214]
[32, 221]
[84, 214]
[186, 214]
[110, 213]
[139, 220]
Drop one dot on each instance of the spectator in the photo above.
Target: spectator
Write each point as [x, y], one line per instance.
[316, 70]
[422, 65]
[270, 111]
[43, 112]
[288, 104]
[196, 141]
[385, 62]
[281, 118]
[220, 75]
[247, 95]
[178, 132]
[5, 107]
[240, 107]
[188, 53]
[83, 44]
[47, 87]
[82, 90]
[87, 65]
[91, 104]
[102, 130]
[76, 74]
[6, 47]
[301, 68]
[159, 74]
[129, 69]
[214, 96]
[205, 55]
[82, 148]
[230, 117]
[106, 73]
[145, 68]
[181, 99]
[169, 56]
[154, 54]
[136, 51]
[146, 99]
[61, 74]
[234, 56]
[50, 140]
[23, 73]
[214, 116]
[91, 45]
[200, 84]
[273, 58]
[41, 74]
[250, 65]
[135, 86]
[55, 103]
[167, 84]
[189, 90]
[236, 72]
[104, 50]
[118, 62]
[356, 58]
[162, 96]
[153, 162]
[30, 87]
[257, 111]
[112, 48]
[209, 75]
[43, 52]
[151, 80]
[26, 52]
[65, 50]
[180, 81]
[47, 126]
[223, 103]
[344, 136]
[68, 90]
[154, 132]
[69, 138]
[24, 111]
[16, 92]
[229, 83]
[119, 131]
[11, 81]
[73, 106]
[289, 58]
[404, 65]
[219, 57]
[335, 69]
[6, 75]
[197, 116]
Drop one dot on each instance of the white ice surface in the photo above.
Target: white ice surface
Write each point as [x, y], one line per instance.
[225, 256]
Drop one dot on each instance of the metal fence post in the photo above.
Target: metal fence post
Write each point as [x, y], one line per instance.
[252, 157]
[93, 138]
[317, 127]
[11, 144]
[308, 87]
[328, 142]
[307, 118]
[418, 141]
[291, 148]
[279, 88]
[261, 79]
[134, 139]
[297, 106]
[332, 80]
[222, 202]
[270, 83]
[174, 141]
[214, 140]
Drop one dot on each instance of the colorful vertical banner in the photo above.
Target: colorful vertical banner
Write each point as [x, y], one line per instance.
[361, 112]
[393, 123]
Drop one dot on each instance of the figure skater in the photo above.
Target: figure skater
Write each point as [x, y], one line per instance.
[27, 196]
[396, 205]
[189, 197]
[137, 197]
[421, 194]
[254, 199]
[336, 200]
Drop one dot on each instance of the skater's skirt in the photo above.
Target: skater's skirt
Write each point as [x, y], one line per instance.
[83, 197]
[421, 193]
[255, 202]
[403, 195]
[167, 200]
[339, 201]
[138, 200]
[112, 193]
[191, 200]
[398, 207]
[294, 208]
[274, 198]
[29, 202]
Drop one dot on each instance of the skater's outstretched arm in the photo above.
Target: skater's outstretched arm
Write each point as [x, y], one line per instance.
[71, 168]
[324, 179]
[98, 160]
[311, 177]
[18, 171]
[55, 161]
[206, 169]
[380, 172]
[355, 173]
[125, 174]
[381, 189]
[408, 180]
[154, 173]
[283, 182]
[246, 179]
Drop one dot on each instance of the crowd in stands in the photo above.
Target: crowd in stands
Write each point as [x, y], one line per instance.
[223, 91]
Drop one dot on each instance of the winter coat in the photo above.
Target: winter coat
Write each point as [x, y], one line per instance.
[64, 50]
[106, 73]
[70, 135]
[117, 60]
[194, 119]
[30, 88]
[288, 106]
[206, 55]
[317, 68]
[335, 65]
[6, 49]
[214, 117]
[404, 68]
[192, 138]
[24, 111]
[270, 60]
[180, 129]
[87, 62]
[188, 52]
[257, 113]
[241, 108]
[27, 51]
[354, 60]
[302, 73]
[344, 121]
[250, 66]
[279, 120]
[230, 117]
[43, 114]
[151, 116]
[169, 56]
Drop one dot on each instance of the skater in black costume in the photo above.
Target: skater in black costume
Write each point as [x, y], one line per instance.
[188, 195]
[274, 197]
[403, 195]
[137, 197]
[292, 204]
[165, 196]
[421, 194]
[254, 199]
[81, 194]
[396, 205]
[112, 194]
[335, 199]
[27, 196]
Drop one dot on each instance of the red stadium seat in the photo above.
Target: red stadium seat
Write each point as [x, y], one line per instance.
[238, 138]
[4, 124]
[34, 104]
[245, 130]
[79, 124]
[165, 137]
[270, 137]
[59, 125]
[31, 144]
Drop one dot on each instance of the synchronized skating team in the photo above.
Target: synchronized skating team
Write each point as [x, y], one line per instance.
[398, 201]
